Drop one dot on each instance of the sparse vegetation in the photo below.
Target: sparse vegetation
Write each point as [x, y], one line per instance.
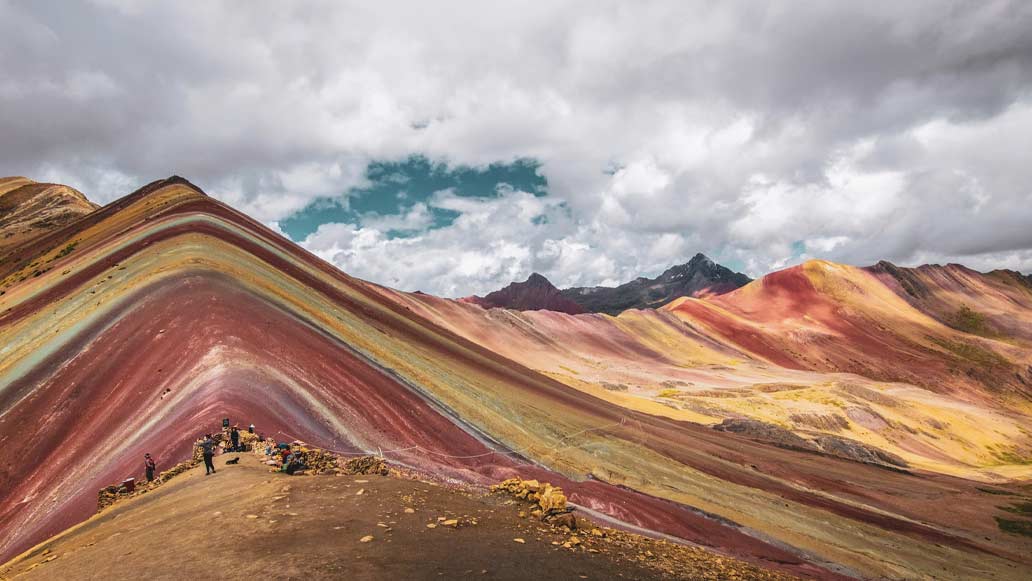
[995, 491]
[1016, 527]
[1022, 508]
[972, 352]
[970, 321]
[1011, 456]
[67, 250]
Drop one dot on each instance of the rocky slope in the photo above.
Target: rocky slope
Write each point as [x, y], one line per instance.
[358, 527]
[29, 209]
[997, 304]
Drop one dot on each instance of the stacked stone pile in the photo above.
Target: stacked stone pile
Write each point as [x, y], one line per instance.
[111, 494]
[549, 499]
[367, 465]
[319, 461]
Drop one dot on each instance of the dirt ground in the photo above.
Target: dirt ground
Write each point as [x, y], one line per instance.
[247, 523]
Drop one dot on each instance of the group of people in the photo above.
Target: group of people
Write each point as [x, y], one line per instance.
[207, 445]
[289, 461]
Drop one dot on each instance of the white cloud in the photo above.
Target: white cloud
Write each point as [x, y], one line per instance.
[491, 243]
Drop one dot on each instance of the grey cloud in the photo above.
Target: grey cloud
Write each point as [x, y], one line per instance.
[717, 107]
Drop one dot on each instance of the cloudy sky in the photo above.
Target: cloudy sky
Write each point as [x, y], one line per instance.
[453, 148]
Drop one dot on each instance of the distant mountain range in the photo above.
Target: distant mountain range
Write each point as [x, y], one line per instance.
[698, 277]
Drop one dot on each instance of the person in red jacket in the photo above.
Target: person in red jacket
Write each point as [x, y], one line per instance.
[150, 465]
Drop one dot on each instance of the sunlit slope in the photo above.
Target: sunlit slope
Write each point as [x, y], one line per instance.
[172, 310]
[707, 360]
[831, 317]
[995, 305]
[29, 210]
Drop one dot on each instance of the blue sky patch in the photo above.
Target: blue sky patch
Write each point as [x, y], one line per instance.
[798, 249]
[396, 186]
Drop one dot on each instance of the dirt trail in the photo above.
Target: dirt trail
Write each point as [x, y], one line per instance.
[247, 523]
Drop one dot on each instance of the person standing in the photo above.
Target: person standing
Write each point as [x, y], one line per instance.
[234, 437]
[250, 429]
[207, 446]
[149, 465]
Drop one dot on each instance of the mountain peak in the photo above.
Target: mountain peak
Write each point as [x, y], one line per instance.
[700, 276]
[536, 293]
[536, 279]
[700, 258]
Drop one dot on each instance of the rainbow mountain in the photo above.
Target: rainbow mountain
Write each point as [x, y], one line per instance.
[825, 420]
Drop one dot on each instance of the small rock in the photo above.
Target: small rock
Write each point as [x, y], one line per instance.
[431, 525]
[519, 540]
[409, 510]
[565, 520]
[360, 492]
[252, 516]
[451, 522]
[366, 539]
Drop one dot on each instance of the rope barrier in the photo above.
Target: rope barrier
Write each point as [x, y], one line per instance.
[556, 448]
